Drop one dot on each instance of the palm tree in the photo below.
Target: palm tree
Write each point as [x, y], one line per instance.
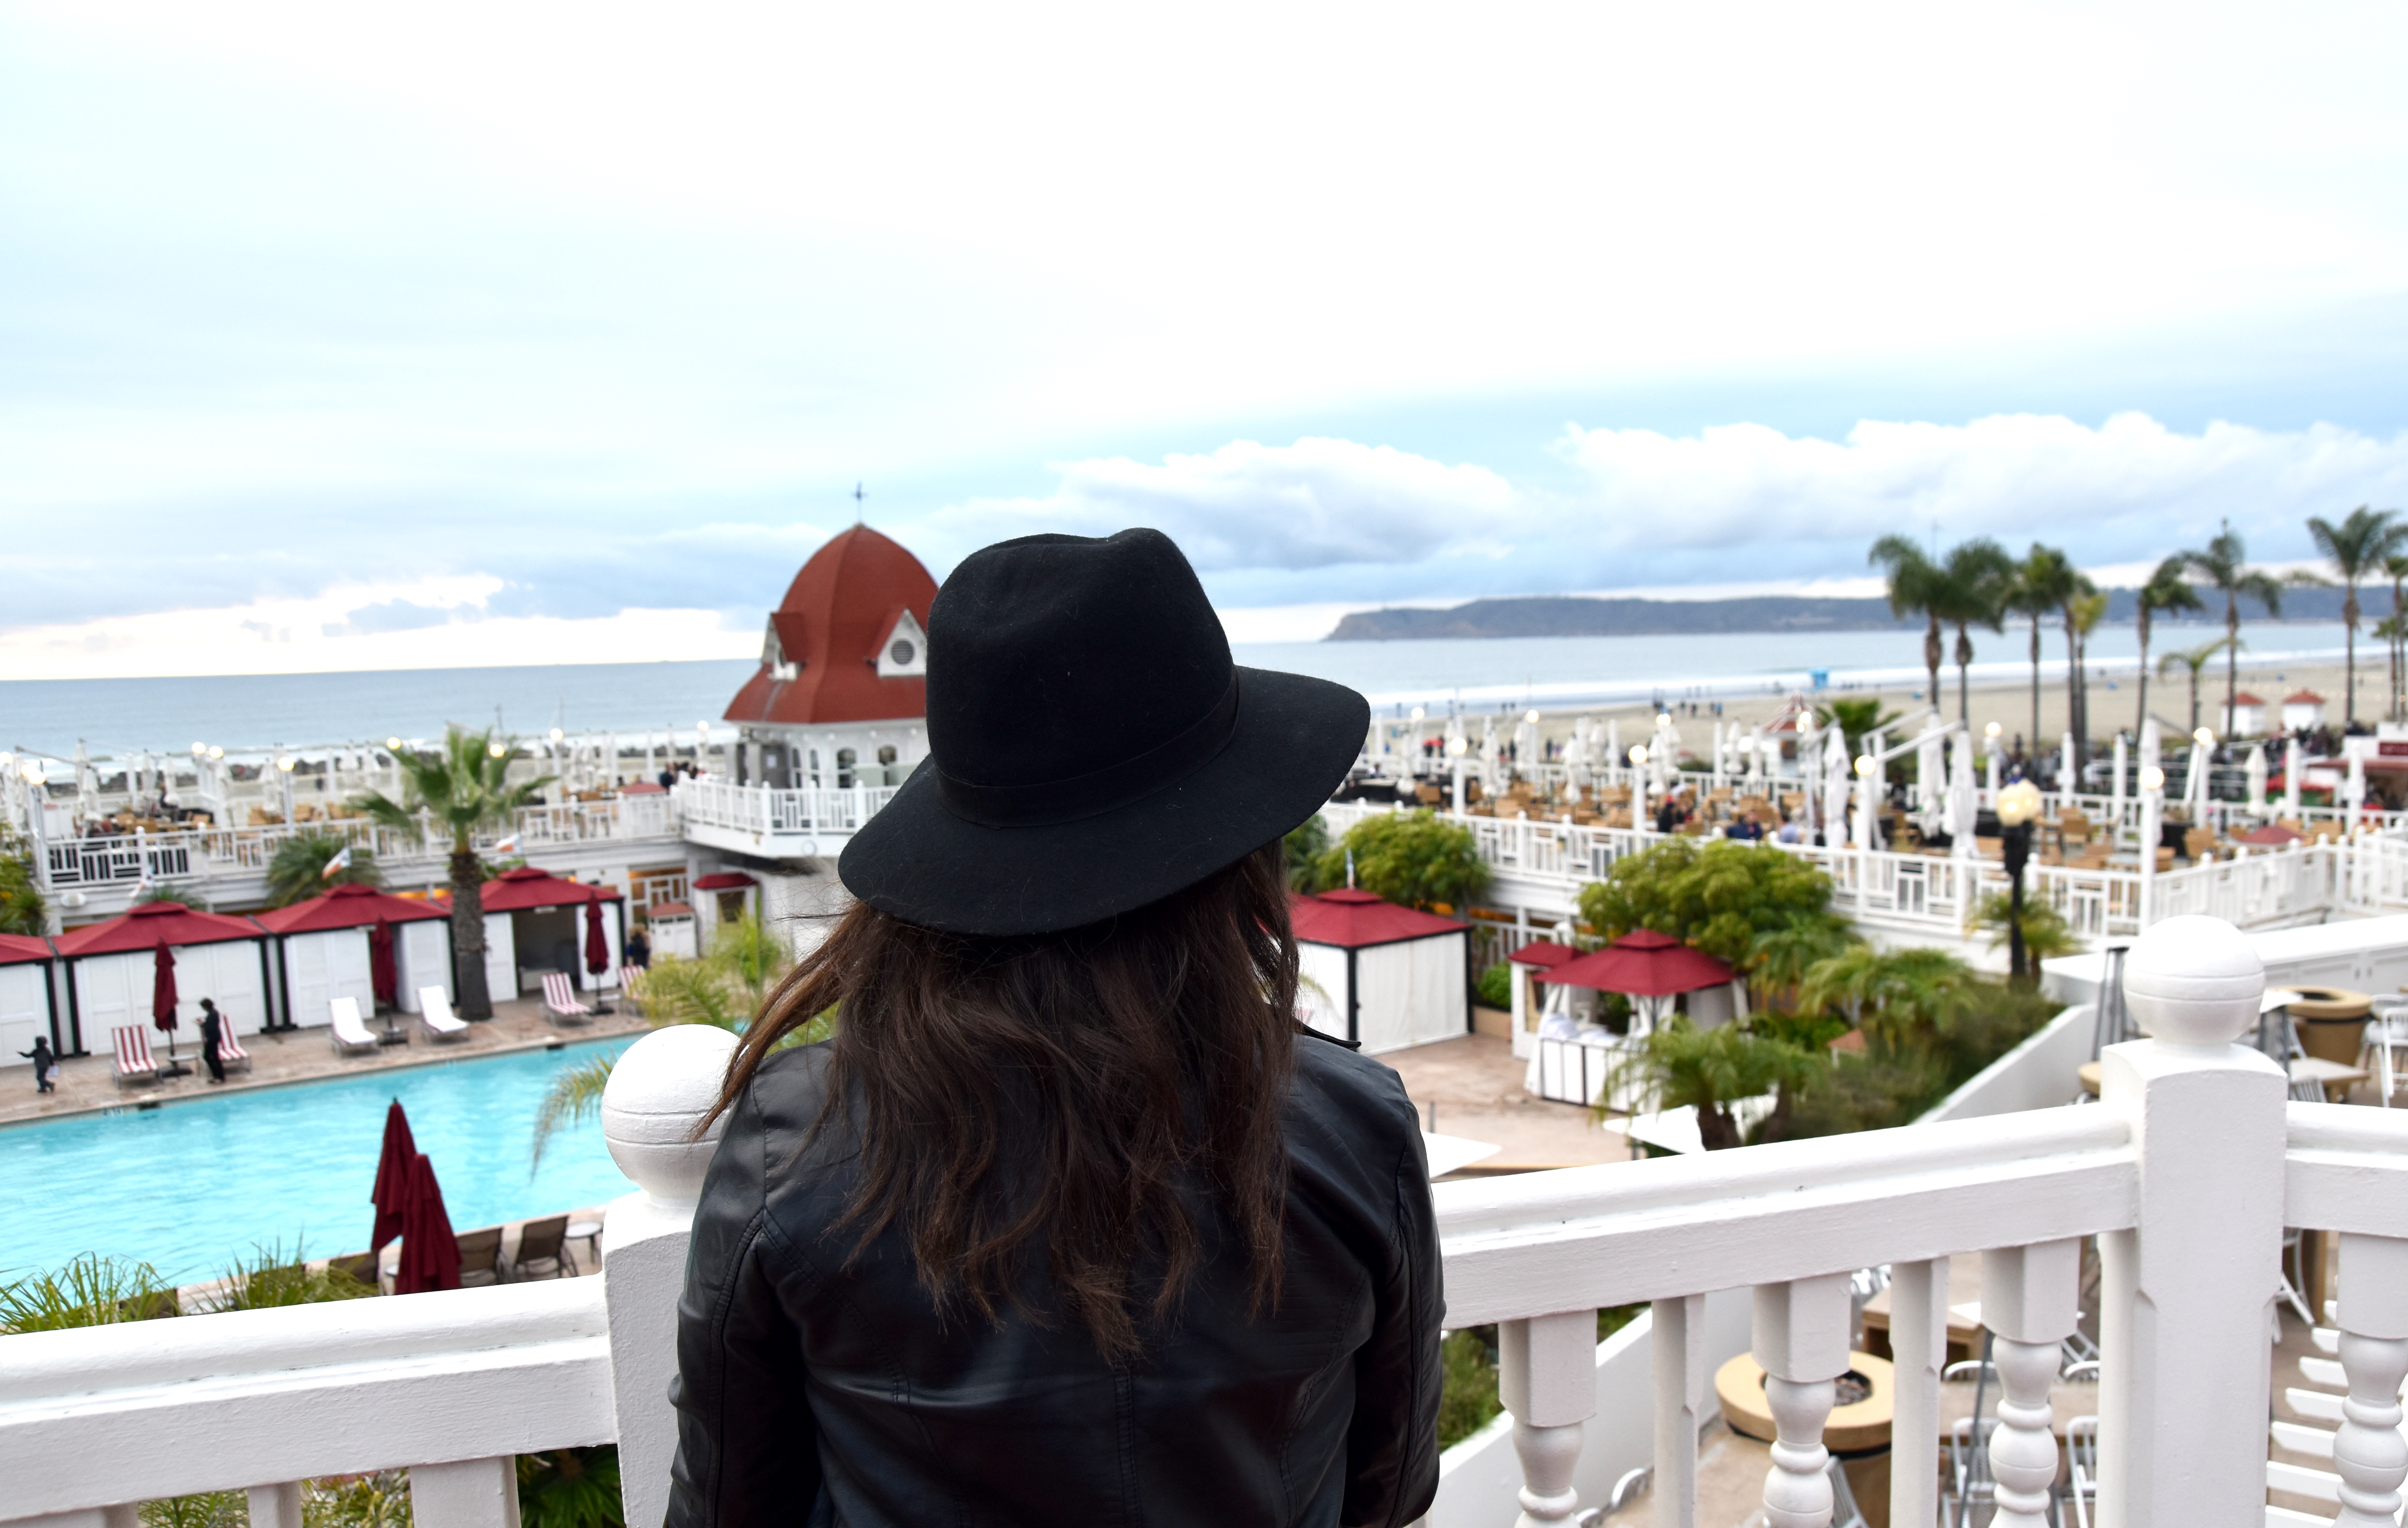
[2390, 628]
[2078, 591]
[2168, 589]
[1779, 957]
[1903, 1000]
[2194, 660]
[464, 788]
[2356, 546]
[2225, 564]
[2044, 582]
[1915, 587]
[1709, 1070]
[297, 869]
[1974, 582]
[2396, 568]
[728, 988]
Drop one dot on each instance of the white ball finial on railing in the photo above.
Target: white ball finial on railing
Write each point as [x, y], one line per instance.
[2194, 981]
[660, 1087]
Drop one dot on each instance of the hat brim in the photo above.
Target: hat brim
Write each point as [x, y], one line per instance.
[1291, 747]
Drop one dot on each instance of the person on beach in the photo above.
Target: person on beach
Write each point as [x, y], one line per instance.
[1072, 1222]
[46, 1066]
[212, 1027]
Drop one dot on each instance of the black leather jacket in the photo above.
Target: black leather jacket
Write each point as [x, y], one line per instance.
[813, 1393]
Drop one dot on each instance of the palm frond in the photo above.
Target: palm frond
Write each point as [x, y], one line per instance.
[575, 1096]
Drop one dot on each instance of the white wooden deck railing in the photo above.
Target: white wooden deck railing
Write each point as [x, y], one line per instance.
[2188, 1172]
[1932, 894]
[772, 813]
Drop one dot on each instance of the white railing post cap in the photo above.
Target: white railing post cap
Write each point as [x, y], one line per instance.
[659, 1090]
[2194, 981]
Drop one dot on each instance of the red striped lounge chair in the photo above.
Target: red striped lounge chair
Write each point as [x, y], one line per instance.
[560, 1000]
[134, 1063]
[230, 1051]
[631, 987]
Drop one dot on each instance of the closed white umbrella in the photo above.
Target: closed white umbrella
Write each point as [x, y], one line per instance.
[1931, 783]
[1963, 802]
[1836, 780]
[2192, 770]
[2291, 778]
[2066, 782]
[2352, 790]
[2258, 779]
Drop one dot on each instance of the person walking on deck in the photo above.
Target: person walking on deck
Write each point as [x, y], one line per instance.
[1071, 1221]
[212, 1026]
[46, 1066]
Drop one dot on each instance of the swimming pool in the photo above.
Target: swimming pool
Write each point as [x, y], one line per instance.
[189, 1187]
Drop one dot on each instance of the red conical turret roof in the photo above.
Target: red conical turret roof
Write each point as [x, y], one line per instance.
[838, 616]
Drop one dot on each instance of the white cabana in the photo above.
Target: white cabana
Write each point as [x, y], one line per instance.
[1385, 975]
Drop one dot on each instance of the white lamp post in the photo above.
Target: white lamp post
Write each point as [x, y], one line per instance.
[284, 763]
[1456, 748]
[2019, 806]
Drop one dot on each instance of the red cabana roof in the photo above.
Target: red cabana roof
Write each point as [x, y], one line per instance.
[1352, 918]
[346, 906]
[2245, 698]
[18, 948]
[644, 788]
[837, 616]
[2303, 697]
[143, 927]
[1544, 952]
[668, 909]
[1642, 963]
[526, 886]
[2271, 834]
[722, 880]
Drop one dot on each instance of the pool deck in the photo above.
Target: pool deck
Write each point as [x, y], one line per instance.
[88, 1084]
[1475, 1087]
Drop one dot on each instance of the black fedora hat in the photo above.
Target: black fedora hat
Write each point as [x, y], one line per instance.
[1092, 746]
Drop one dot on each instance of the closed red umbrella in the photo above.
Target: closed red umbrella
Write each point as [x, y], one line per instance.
[597, 947]
[1642, 963]
[162, 992]
[393, 1177]
[430, 1253]
[380, 978]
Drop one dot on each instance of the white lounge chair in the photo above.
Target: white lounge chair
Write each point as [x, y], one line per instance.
[435, 1017]
[560, 1000]
[134, 1063]
[349, 1035]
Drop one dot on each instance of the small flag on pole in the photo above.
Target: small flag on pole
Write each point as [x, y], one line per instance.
[506, 844]
[335, 866]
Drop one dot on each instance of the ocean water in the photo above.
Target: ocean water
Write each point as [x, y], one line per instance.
[189, 1187]
[255, 711]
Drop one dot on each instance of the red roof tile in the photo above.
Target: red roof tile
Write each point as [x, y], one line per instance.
[144, 926]
[1352, 918]
[347, 907]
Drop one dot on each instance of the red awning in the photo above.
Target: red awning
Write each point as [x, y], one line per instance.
[722, 880]
[526, 886]
[1351, 918]
[1642, 963]
[347, 907]
[2273, 834]
[1545, 952]
[18, 948]
[151, 923]
[667, 909]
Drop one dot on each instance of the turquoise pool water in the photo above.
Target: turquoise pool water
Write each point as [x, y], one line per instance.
[191, 1186]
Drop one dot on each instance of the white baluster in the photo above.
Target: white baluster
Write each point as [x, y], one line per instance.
[1801, 1339]
[1676, 1337]
[471, 1493]
[275, 1507]
[2030, 1297]
[1546, 1374]
[658, 1092]
[2369, 1452]
[2183, 1380]
[1918, 1335]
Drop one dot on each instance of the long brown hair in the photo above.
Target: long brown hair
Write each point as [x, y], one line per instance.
[1062, 1090]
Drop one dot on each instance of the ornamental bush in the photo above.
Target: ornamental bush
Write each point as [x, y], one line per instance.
[1718, 894]
[1408, 857]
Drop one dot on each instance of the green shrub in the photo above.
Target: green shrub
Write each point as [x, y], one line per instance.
[270, 1279]
[1304, 847]
[1408, 857]
[91, 1291]
[1719, 894]
[571, 1488]
[1495, 985]
[1468, 1389]
[208, 1510]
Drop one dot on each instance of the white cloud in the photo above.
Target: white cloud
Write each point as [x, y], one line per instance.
[328, 633]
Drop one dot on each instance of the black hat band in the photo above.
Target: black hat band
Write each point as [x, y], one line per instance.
[1100, 791]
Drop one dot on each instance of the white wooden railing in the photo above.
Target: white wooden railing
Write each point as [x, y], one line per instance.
[180, 854]
[2187, 1173]
[771, 812]
[1932, 895]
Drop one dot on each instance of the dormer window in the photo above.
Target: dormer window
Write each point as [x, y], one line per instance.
[904, 653]
[773, 653]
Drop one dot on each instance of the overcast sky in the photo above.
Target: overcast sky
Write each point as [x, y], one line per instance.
[334, 338]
